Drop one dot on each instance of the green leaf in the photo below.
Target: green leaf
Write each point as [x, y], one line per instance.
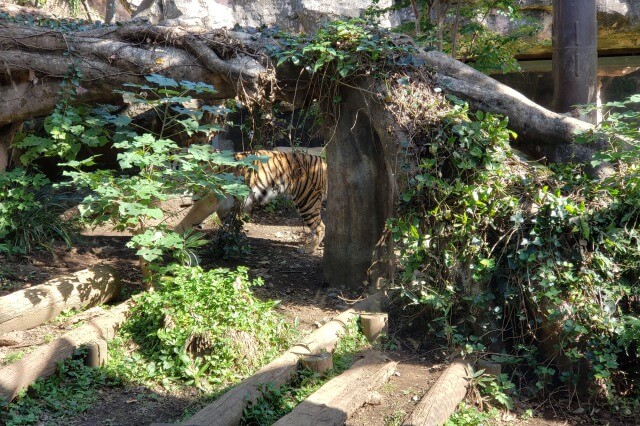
[159, 80]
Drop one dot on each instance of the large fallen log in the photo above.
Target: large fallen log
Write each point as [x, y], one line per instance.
[341, 396]
[43, 361]
[28, 308]
[443, 397]
[227, 410]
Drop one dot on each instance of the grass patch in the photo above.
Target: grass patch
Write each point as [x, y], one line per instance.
[70, 391]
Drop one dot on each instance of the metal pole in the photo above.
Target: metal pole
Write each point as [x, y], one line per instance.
[575, 54]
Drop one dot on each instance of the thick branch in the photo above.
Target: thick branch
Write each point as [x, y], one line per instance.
[33, 61]
[541, 133]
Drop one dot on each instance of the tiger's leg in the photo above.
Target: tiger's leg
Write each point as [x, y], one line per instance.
[309, 209]
[314, 239]
[203, 208]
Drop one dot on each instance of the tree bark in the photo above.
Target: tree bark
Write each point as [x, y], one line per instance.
[35, 61]
[7, 133]
[362, 192]
[542, 134]
[575, 55]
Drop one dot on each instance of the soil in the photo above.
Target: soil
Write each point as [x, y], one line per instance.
[292, 277]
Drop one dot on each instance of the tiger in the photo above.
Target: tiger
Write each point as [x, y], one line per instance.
[301, 176]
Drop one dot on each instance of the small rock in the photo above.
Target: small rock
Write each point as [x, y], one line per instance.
[415, 398]
[374, 398]
[12, 338]
[578, 410]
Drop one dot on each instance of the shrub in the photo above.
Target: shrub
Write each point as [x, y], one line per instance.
[535, 267]
[201, 328]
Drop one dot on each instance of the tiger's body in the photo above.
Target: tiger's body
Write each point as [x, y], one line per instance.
[301, 176]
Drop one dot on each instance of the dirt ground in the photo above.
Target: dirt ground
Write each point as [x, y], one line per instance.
[291, 277]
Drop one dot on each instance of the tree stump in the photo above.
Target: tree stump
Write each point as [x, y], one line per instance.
[318, 363]
[374, 325]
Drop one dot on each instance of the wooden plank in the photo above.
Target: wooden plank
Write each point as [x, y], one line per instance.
[227, 410]
[44, 360]
[30, 307]
[442, 399]
[341, 396]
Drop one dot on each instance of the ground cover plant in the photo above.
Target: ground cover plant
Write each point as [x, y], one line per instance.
[70, 391]
[200, 328]
[29, 216]
[533, 267]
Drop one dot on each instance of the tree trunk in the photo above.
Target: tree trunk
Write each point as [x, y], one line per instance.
[7, 133]
[361, 193]
[36, 60]
[542, 134]
[575, 55]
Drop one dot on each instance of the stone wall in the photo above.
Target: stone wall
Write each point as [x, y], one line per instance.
[291, 15]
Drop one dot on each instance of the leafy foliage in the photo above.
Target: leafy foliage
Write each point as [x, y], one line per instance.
[61, 24]
[218, 306]
[467, 415]
[344, 49]
[504, 253]
[460, 29]
[152, 166]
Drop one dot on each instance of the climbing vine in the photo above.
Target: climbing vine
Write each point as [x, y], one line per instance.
[534, 267]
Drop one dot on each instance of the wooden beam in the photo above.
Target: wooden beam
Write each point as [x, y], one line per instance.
[227, 410]
[44, 360]
[442, 399]
[30, 307]
[341, 396]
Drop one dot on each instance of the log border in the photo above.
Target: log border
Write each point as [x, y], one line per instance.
[44, 360]
[227, 410]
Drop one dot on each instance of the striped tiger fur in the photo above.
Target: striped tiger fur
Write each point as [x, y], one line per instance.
[301, 176]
